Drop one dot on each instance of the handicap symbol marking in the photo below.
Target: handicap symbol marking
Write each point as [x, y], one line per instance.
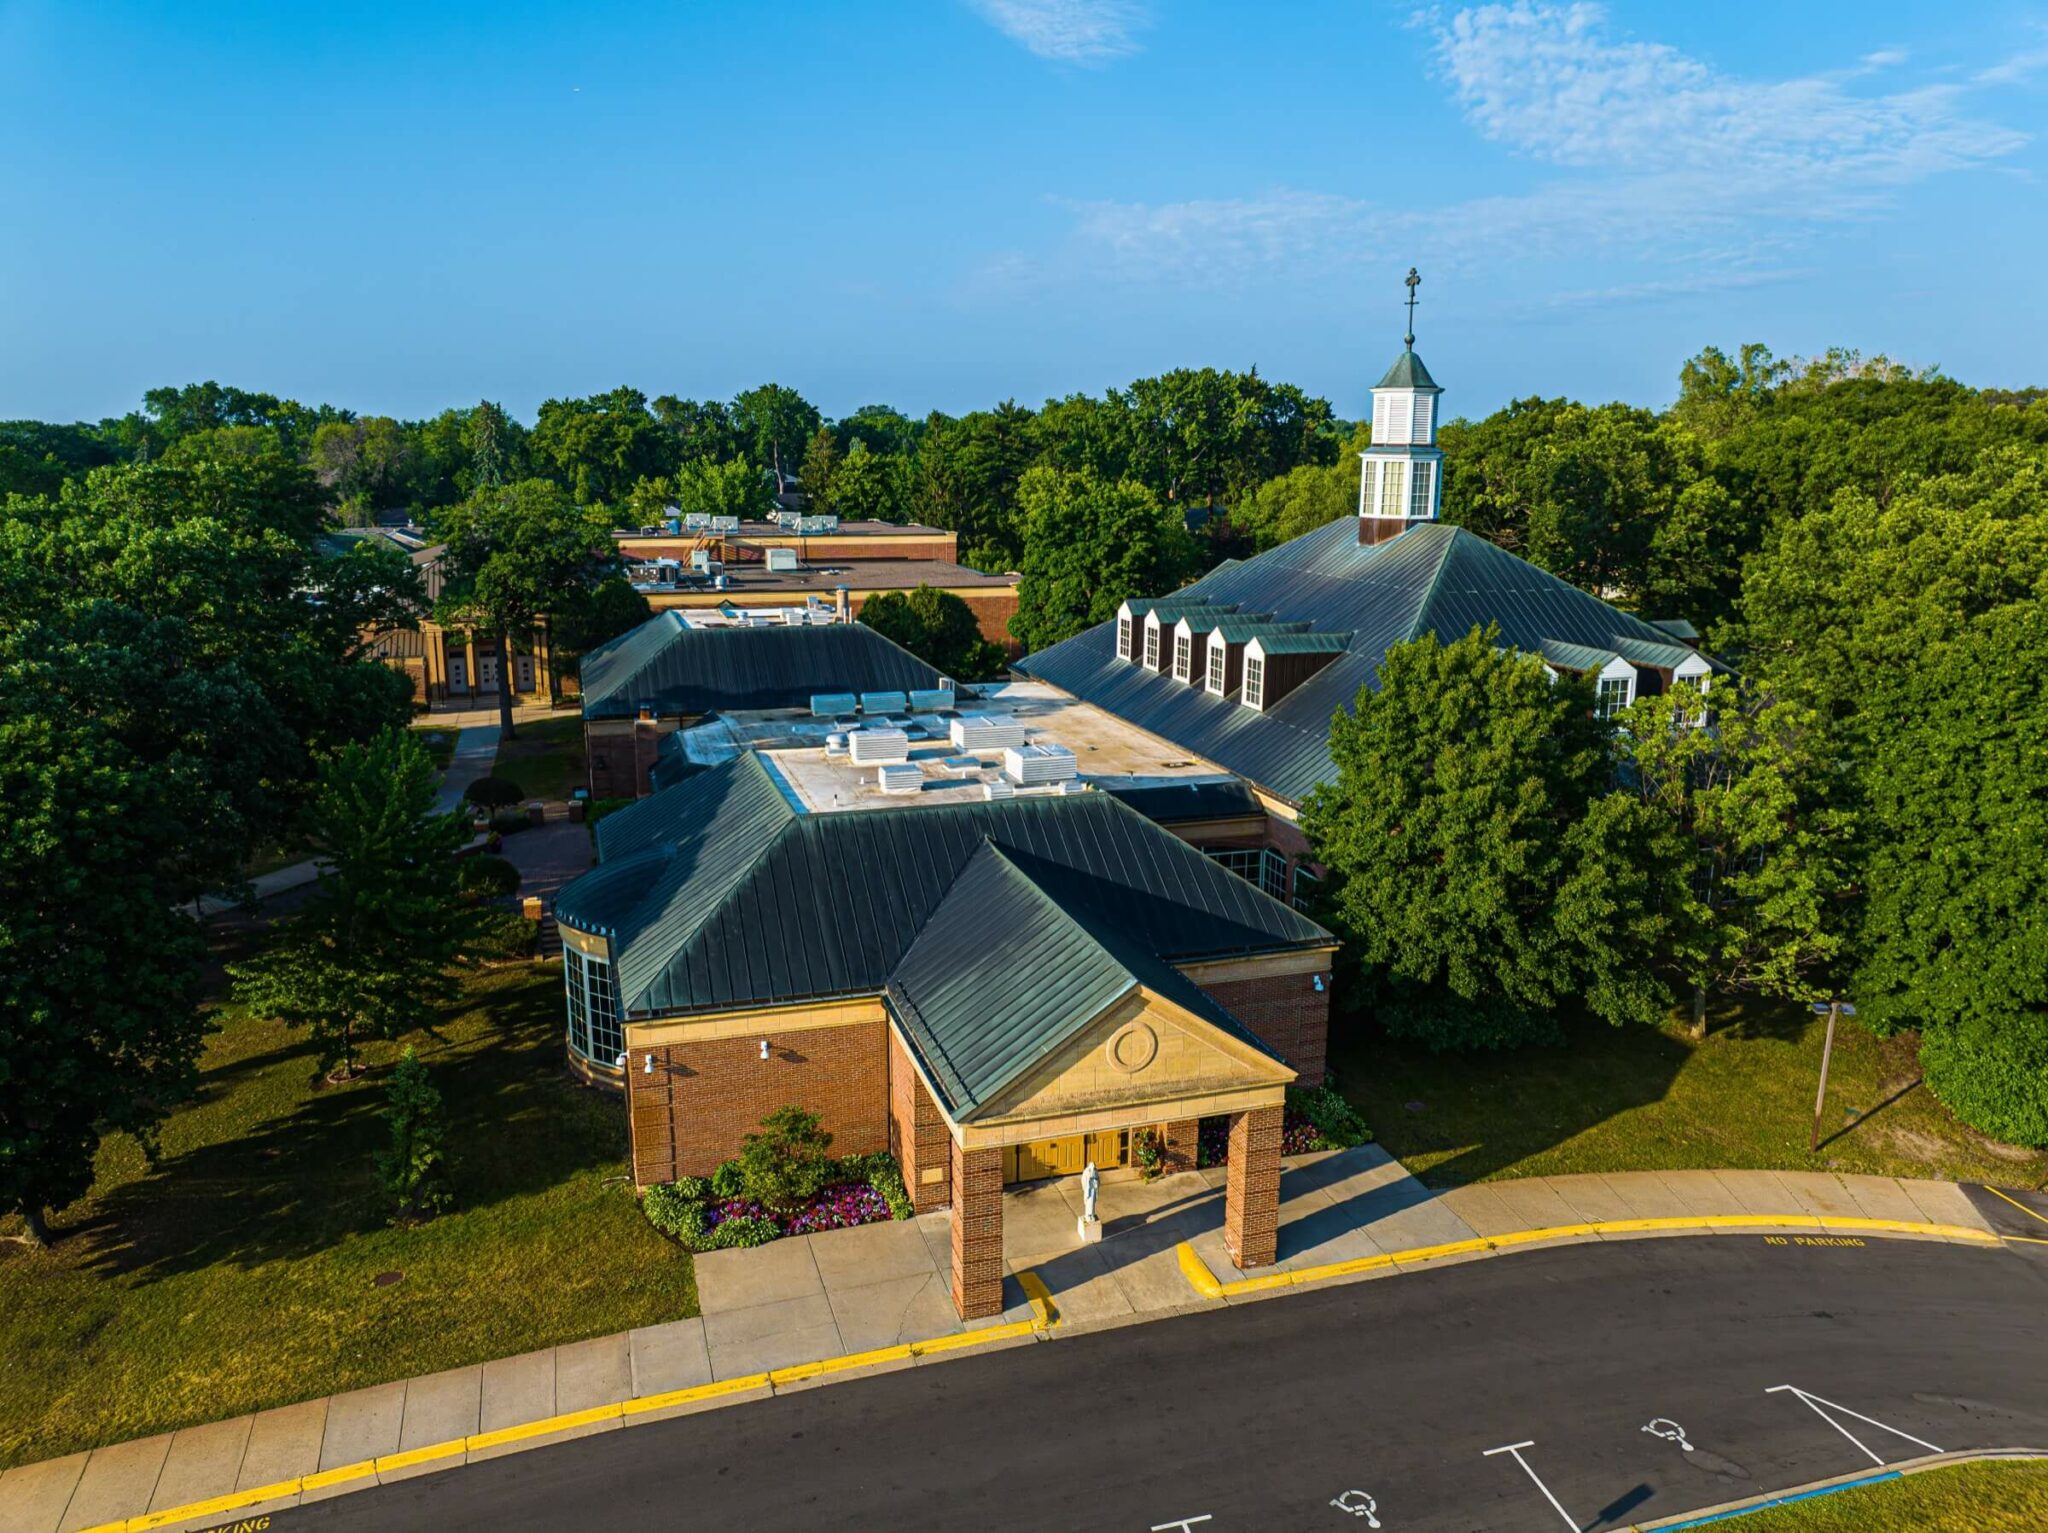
[1358, 1504]
[1670, 1431]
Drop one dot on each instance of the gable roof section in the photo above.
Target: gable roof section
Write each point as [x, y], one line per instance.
[730, 898]
[1433, 578]
[1001, 975]
[680, 669]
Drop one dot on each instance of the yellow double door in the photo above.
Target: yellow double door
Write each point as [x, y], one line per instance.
[1064, 1156]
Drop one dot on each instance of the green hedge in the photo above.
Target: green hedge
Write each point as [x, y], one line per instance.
[1335, 1119]
[505, 934]
[484, 876]
[680, 1209]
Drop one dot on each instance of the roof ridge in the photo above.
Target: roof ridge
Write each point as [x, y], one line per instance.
[1436, 579]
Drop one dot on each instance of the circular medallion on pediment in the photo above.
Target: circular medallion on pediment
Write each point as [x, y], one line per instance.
[1131, 1047]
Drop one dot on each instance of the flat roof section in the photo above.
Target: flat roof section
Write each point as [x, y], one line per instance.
[824, 579]
[775, 530]
[1109, 753]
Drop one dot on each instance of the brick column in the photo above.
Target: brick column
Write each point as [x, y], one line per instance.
[1178, 1142]
[978, 1231]
[1251, 1206]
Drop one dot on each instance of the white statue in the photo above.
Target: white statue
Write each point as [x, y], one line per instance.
[1091, 1181]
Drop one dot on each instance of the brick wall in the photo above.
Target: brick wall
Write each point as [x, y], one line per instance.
[918, 1137]
[1177, 1145]
[703, 1098]
[1251, 1197]
[977, 1232]
[1287, 1012]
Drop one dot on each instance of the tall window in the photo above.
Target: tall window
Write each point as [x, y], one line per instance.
[594, 1030]
[1245, 863]
[1123, 638]
[1613, 696]
[1418, 494]
[1183, 655]
[1304, 886]
[1152, 646]
[1273, 873]
[1215, 665]
[1254, 681]
[1390, 489]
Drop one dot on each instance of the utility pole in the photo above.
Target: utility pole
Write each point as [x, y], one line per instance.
[1834, 1011]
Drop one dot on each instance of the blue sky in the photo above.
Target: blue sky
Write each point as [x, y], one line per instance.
[947, 203]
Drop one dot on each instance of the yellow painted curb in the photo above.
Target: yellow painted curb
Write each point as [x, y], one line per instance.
[365, 1470]
[426, 1455]
[641, 1404]
[1208, 1286]
[960, 1339]
[796, 1372]
[1040, 1297]
[282, 1490]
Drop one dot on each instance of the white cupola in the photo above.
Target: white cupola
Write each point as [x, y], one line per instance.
[1401, 478]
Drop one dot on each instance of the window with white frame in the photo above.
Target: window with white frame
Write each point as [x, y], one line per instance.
[1216, 665]
[1615, 694]
[1254, 681]
[1305, 883]
[1390, 489]
[1273, 873]
[594, 1030]
[1152, 646]
[1243, 861]
[1183, 656]
[1697, 717]
[1418, 495]
[1123, 638]
[1425, 407]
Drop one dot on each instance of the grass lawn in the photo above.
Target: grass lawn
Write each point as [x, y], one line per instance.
[1970, 1498]
[546, 760]
[440, 744]
[1641, 1099]
[238, 1274]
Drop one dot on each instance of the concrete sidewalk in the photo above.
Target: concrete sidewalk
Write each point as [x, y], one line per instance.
[843, 1294]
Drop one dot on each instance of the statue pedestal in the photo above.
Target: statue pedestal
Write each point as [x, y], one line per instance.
[1090, 1230]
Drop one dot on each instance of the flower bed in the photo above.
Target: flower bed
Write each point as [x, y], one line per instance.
[1316, 1119]
[697, 1214]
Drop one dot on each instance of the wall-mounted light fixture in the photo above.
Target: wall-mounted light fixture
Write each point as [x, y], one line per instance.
[646, 1064]
[1319, 984]
[619, 1063]
[764, 1048]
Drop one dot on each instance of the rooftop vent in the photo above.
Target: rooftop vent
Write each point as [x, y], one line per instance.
[877, 747]
[1032, 765]
[900, 777]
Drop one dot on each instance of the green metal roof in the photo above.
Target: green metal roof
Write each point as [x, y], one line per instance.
[1576, 657]
[675, 668]
[1174, 606]
[1243, 631]
[1304, 643]
[1209, 619]
[719, 893]
[1407, 373]
[1001, 976]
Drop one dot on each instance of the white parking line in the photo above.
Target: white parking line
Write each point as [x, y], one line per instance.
[1180, 1524]
[1516, 1450]
[1815, 1402]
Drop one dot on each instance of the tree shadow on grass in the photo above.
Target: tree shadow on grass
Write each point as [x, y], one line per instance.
[296, 1184]
[1492, 1110]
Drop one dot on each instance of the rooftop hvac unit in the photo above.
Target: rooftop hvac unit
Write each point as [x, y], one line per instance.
[789, 521]
[884, 702]
[1032, 765]
[877, 747]
[998, 787]
[931, 700]
[900, 777]
[781, 561]
[675, 525]
[815, 524]
[986, 732]
[697, 521]
[700, 561]
[835, 744]
[725, 524]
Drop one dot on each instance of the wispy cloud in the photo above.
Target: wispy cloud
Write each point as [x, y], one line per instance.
[1641, 150]
[1070, 31]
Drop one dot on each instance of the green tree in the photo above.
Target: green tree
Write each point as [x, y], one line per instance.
[733, 488]
[819, 475]
[599, 448]
[1204, 437]
[1298, 502]
[414, 1169]
[1483, 873]
[1745, 796]
[515, 554]
[937, 627]
[868, 487]
[370, 954]
[969, 471]
[99, 971]
[788, 1162]
[593, 617]
[1088, 545]
[772, 424]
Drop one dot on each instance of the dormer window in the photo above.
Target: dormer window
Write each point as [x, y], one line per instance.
[1123, 638]
[1151, 646]
[1615, 694]
[1216, 654]
[1254, 681]
[1183, 656]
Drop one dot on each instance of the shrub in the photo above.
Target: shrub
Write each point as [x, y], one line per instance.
[743, 1230]
[1149, 1152]
[486, 877]
[787, 1162]
[1336, 1121]
[880, 1172]
[494, 793]
[1992, 1072]
[510, 824]
[504, 934]
[675, 1213]
[726, 1181]
[695, 1188]
[414, 1169]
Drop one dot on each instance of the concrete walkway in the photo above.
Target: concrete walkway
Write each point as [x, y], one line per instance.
[844, 1293]
[476, 747]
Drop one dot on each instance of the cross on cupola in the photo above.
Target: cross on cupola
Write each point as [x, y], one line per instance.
[1402, 470]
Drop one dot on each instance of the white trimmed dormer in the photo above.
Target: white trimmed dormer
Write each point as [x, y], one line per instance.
[1614, 688]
